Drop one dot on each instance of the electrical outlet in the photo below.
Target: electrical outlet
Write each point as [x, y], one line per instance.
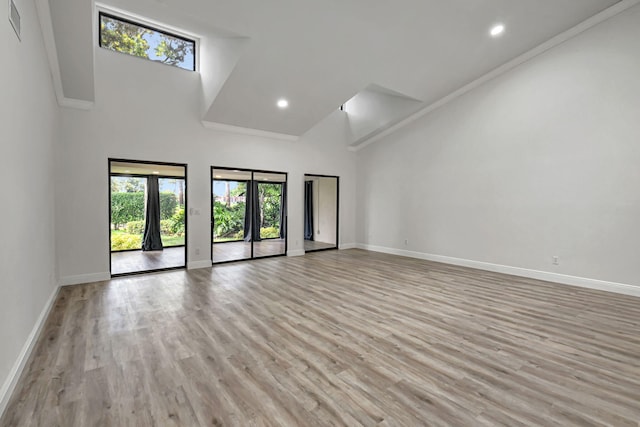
[197, 251]
[406, 242]
[555, 259]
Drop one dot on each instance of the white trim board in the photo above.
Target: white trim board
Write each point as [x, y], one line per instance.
[343, 246]
[194, 265]
[527, 56]
[84, 278]
[23, 357]
[563, 279]
[296, 252]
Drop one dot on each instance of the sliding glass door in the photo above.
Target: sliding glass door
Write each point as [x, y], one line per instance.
[248, 214]
[147, 223]
[231, 215]
[270, 214]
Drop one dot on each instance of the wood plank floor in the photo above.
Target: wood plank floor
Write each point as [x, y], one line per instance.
[234, 251]
[314, 245]
[135, 261]
[333, 338]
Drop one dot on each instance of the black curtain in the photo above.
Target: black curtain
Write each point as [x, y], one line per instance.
[252, 213]
[283, 211]
[248, 202]
[308, 210]
[255, 229]
[151, 240]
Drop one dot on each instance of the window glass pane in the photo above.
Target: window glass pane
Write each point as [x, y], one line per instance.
[229, 209]
[270, 196]
[134, 39]
[172, 211]
[127, 212]
[229, 204]
[270, 214]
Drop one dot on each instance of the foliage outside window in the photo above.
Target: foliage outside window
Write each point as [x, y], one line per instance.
[229, 209]
[135, 39]
[127, 212]
[270, 196]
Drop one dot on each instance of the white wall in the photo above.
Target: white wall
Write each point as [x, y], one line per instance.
[28, 116]
[148, 111]
[325, 198]
[541, 161]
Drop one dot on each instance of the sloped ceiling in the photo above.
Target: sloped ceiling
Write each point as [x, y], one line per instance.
[75, 55]
[400, 56]
[375, 108]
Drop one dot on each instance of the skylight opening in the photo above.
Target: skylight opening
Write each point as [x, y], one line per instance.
[136, 39]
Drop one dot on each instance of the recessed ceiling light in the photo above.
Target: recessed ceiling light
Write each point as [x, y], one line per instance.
[127, 171]
[497, 30]
[218, 176]
[282, 103]
[266, 179]
[156, 173]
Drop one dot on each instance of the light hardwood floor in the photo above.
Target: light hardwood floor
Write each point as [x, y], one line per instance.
[333, 338]
[234, 251]
[136, 261]
[314, 245]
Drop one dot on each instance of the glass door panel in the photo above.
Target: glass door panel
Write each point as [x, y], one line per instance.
[248, 214]
[230, 215]
[270, 214]
[148, 202]
[172, 211]
[127, 212]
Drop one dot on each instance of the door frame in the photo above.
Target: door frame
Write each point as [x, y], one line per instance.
[186, 211]
[212, 218]
[337, 246]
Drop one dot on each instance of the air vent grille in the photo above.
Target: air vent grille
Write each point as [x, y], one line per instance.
[14, 17]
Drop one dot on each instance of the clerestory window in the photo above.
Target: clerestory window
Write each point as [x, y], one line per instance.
[136, 39]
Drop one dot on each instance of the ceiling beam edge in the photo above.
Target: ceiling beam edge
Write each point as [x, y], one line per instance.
[248, 131]
[48, 38]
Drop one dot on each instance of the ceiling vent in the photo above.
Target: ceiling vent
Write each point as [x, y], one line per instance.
[14, 18]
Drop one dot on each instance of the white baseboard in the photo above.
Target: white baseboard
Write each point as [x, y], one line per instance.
[194, 265]
[16, 371]
[347, 246]
[84, 278]
[295, 252]
[583, 282]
